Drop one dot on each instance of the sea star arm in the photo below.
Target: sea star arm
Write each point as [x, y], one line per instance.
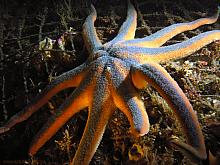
[78, 100]
[167, 53]
[100, 111]
[66, 80]
[127, 30]
[129, 102]
[90, 37]
[160, 37]
[156, 75]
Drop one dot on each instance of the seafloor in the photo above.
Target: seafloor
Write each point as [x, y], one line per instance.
[25, 71]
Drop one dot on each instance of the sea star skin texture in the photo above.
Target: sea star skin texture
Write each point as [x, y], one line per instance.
[109, 80]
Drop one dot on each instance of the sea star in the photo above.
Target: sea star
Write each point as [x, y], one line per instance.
[109, 79]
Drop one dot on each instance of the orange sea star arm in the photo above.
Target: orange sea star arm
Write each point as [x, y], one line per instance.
[68, 79]
[129, 102]
[155, 75]
[100, 111]
[90, 37]
[167, 53]
[73, 104]
[127, 30]
[160, 37]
